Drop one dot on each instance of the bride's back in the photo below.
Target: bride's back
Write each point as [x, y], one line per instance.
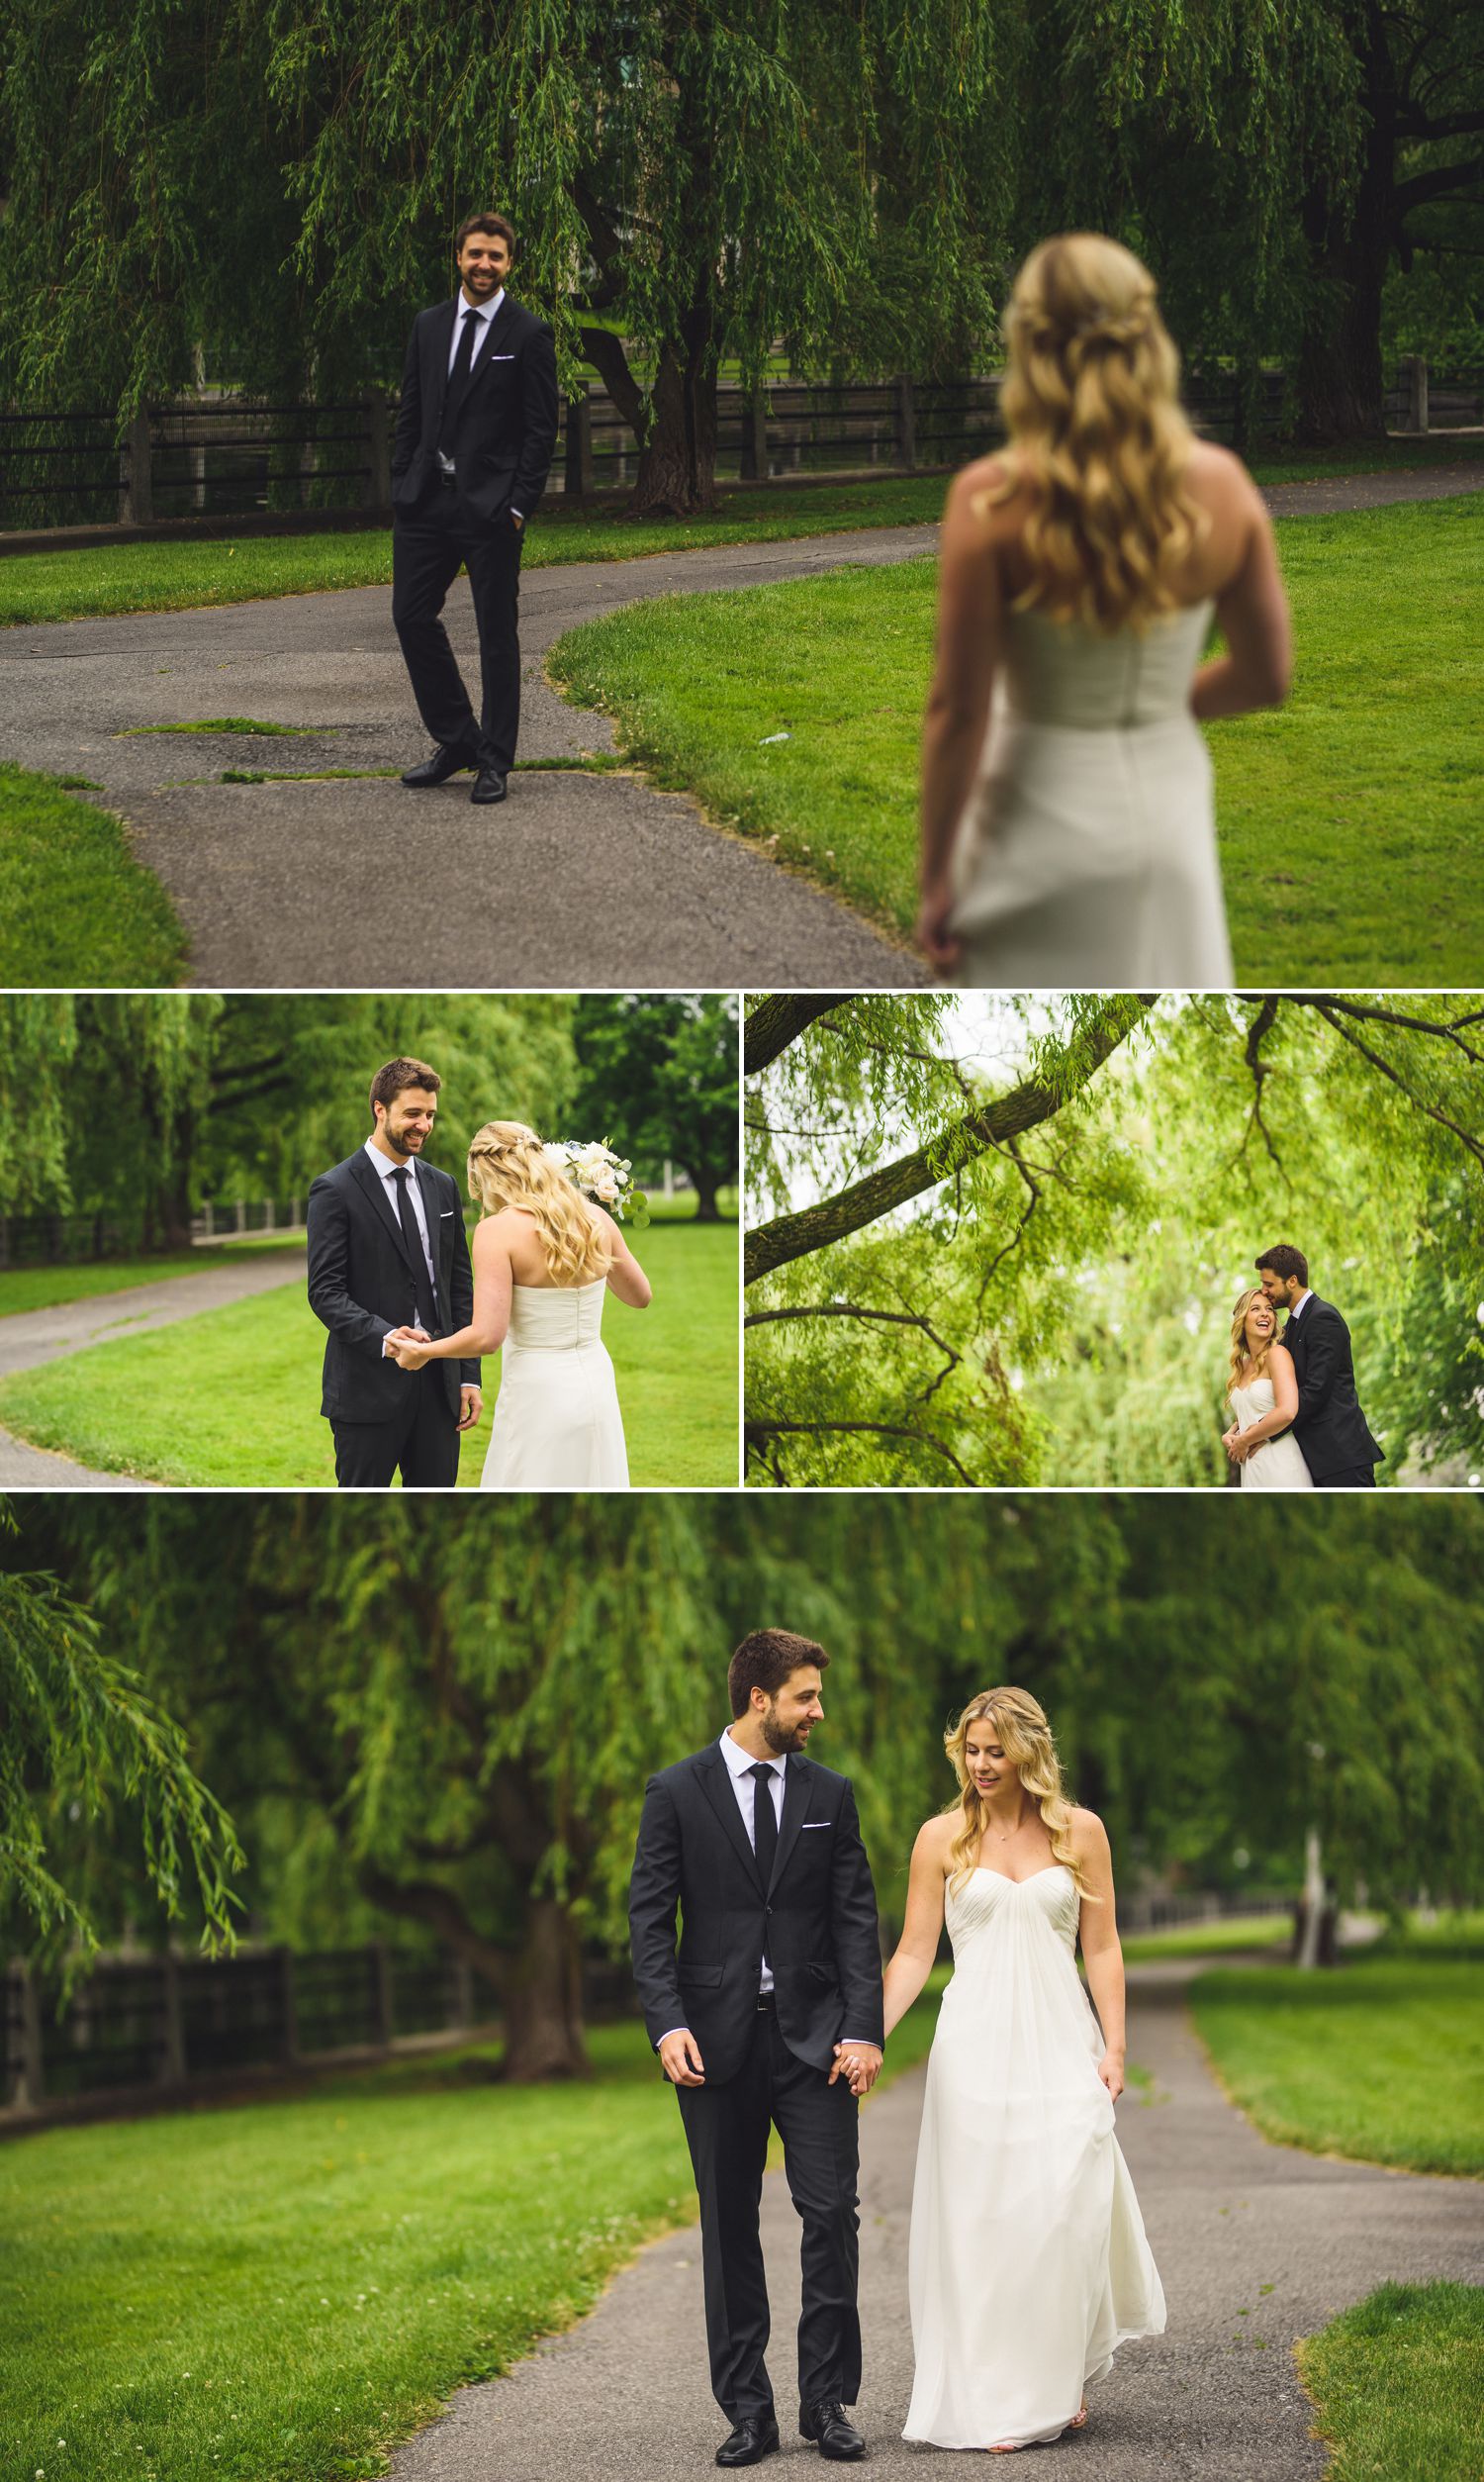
[516, 1231]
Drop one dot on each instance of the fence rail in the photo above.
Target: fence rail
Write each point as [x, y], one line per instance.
[224, 455]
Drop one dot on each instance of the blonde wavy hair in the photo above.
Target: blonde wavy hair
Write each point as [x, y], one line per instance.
[1025, 1735]
[1245, 1299]
[509, 1167]
[1096, 435]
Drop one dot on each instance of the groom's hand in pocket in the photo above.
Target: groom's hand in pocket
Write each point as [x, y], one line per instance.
[471, 1406]
[681, 2060]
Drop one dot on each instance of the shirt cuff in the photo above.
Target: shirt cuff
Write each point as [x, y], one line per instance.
[675, 2028]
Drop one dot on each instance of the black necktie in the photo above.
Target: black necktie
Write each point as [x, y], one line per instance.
[458, 377]
[764, 1822]
[422, 1288]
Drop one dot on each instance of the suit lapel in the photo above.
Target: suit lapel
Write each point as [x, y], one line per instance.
[796, 1773]
[495, 329]
[381, 1204]
[717, 1784]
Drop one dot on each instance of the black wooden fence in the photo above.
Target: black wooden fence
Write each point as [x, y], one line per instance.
[217, 455]
[149, 2026]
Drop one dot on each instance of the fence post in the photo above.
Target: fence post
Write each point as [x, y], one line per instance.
[288, 2008]
[241, 1215]
[136, 482]
[381, 1992]
[32, 2078]
[578, 467]
[1417, 393]
[377, 457]
[173, 2063]
[906, 423]
[463, 1992]
[755, 435]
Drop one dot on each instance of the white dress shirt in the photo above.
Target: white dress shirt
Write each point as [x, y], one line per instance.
[1304, 1296]
[383, 1167]
[739, 1766]
[481, 312]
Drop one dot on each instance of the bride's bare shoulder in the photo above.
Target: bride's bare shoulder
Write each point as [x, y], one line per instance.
[980, 494]
[1089, 1834]
[934, 1837]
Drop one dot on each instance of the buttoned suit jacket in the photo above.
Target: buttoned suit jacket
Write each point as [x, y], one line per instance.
[1328, 1425]
[818, 1915]
[505, 426]
[362, 1286]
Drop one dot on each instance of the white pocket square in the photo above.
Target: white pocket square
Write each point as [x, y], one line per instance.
[444, 1214]
[804, 1824]
[500, 357]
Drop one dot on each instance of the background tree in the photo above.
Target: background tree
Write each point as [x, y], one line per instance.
[93, 1771]
[658, 1071]
[1029, 1275]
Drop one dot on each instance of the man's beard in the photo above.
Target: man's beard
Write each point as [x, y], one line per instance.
[781, 1738]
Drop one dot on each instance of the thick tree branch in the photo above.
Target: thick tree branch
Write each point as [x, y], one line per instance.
[778, 1019]
[788, 1237]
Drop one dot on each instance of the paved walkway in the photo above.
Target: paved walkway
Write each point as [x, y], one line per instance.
[625, 2394]
[29, 1338]
[578, 880]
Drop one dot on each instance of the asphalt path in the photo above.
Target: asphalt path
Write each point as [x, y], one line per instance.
[575, 881]
[1215, 2399]
[29, 1338]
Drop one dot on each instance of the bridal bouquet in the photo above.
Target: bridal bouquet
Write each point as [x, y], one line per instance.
[604, 1177]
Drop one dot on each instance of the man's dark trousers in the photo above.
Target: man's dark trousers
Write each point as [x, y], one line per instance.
[420, 1439]
[726, 2127]
[427, 553]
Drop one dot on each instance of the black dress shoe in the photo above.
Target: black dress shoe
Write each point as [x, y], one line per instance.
[833, 2435]
[749, 2444]
[489, 785]
[447, 760]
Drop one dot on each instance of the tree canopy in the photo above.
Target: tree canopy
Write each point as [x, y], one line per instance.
[137, 1105]
[999, 1242]
[450, 1721]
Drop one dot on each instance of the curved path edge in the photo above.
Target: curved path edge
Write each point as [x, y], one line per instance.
[1257, 2246]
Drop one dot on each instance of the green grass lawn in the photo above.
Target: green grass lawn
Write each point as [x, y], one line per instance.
[233, 1396]
[281, 2292]
[1209, 1938]
[1399, 2383]
[78, 909]
[1349, 819]
[184, 576]
[1381, 2060]
[47, 1288]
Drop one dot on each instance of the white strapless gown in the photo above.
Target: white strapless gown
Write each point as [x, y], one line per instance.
[1027, 2263]
[557, 1426]
[1086, 854]
[1279, 1465]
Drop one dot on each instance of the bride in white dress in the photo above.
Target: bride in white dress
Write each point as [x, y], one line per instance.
[1067, 833]
[1262, 1391]
[1027, 2263]
[544, 1257]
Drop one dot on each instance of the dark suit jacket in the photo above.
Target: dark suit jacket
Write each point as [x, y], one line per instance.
[360, 1283]
[1328, 1425]
[818, 1913]
[506, 425]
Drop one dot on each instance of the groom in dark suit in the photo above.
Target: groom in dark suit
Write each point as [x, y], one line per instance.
[769, 2012]
[1329, 1427]
[386, 1248]
[475, 434]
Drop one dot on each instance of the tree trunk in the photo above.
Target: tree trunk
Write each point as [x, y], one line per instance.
[708, 1183]
[678, 462]
[1341, 385]
[543, 2001]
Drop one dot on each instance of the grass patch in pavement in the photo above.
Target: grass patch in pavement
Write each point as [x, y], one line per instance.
[76, 910]
[49, 1287]
[1377, 757]
[1399, 2385]
[232, 1396]
[227, 724]
[282, 2292]
[43, 586]
[1380, 2058]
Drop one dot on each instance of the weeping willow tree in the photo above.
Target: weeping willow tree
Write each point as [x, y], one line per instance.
[276, 188]
[999, 1242]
